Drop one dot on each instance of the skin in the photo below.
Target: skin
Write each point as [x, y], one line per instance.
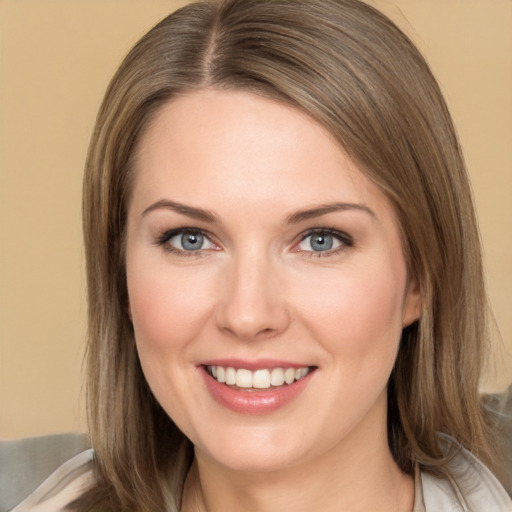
[256, 290]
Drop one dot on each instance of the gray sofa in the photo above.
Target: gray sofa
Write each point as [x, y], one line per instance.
[25, 463]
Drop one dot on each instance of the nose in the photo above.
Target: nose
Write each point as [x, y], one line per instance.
[252, 305]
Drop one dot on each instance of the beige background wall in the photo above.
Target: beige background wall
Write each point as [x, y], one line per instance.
[56, 58]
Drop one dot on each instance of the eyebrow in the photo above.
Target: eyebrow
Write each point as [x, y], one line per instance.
[294, 218]
[189, 211]
[324, 209]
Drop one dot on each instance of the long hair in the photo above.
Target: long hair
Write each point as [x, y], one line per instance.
[351, 69]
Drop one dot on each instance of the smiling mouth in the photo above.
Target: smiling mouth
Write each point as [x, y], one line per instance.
[264, 378]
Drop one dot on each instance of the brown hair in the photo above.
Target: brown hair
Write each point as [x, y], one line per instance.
[355, 72]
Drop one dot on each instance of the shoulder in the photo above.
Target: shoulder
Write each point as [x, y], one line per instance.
[473, 488]
[62, 487]
[44, 464]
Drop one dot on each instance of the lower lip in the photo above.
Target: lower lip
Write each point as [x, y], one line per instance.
[254, 401]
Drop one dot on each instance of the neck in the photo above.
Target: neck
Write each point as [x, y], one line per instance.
[352, 476]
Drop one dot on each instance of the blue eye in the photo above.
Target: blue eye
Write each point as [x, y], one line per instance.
[185, 240]
[324, 241]
[190, 241]
[319, 242]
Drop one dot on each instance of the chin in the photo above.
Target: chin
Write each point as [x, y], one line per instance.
[260, 450]
[251, 461]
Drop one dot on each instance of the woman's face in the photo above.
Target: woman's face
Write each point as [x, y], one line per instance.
[259, 254]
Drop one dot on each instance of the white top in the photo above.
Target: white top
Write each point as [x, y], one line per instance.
[63, 486]
[480, 488]
[482, 491]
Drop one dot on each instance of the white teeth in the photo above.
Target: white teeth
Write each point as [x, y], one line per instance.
[221, 373]
[259, 379]
[289, 375]
[277, 377]
[244, 378]
[230, 376]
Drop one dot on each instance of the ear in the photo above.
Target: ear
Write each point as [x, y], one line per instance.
[412, 303]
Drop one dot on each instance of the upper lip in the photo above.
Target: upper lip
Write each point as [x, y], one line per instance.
[253, 364]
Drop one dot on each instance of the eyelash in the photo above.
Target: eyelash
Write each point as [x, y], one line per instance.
[164, 238]
[345, 240]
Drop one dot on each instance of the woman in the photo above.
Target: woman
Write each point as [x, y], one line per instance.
[286, 302]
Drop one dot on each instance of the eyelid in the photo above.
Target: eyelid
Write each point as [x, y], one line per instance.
[344, 238]
[163, 239]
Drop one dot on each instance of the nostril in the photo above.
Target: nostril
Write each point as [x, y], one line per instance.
[249, 312]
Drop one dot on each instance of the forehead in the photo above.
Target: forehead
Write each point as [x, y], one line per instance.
[221, 145]
[236, 120]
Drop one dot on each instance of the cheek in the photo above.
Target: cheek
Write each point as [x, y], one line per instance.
[168, 307]
[358, 311]
[168, 311]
